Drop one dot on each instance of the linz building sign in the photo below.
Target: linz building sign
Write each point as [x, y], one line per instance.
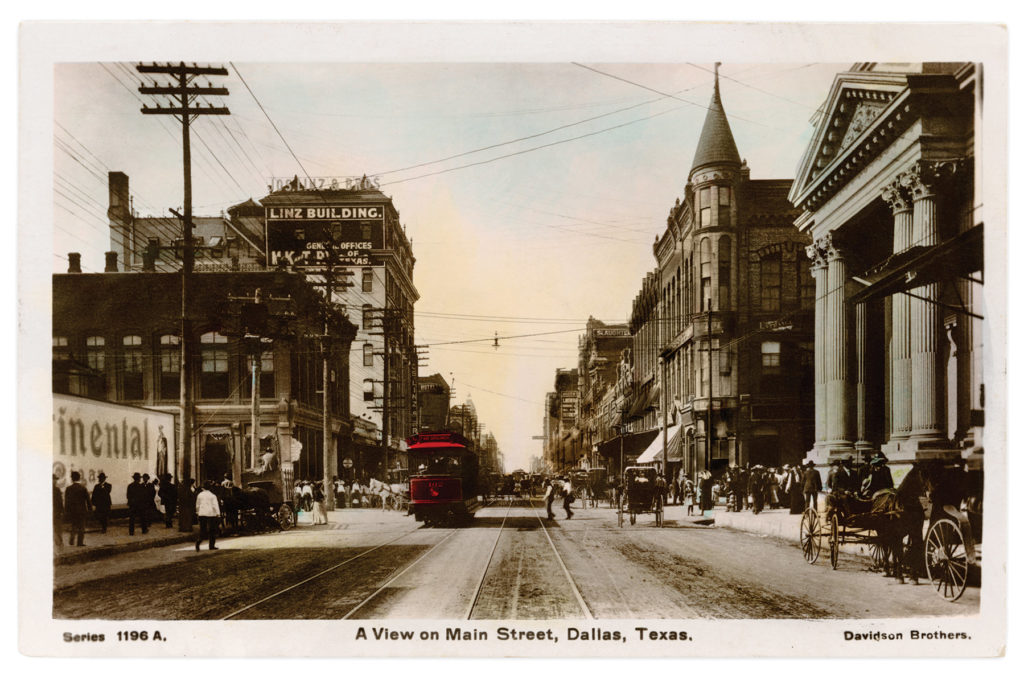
[300, 236]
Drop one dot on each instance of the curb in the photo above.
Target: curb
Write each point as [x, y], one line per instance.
[100, 552]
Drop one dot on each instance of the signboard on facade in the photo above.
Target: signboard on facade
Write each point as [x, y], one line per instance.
[612, 333]
[93, 436]
[303, 236]
[570, 404]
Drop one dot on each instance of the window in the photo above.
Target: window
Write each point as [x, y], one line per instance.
[60, 349]
[771, 283]
[213, 355]
[367, 316]
[771, 358]
[95, 353]
[705, 274]
[367, 354]
[723, 206]
[806, 284]
[170, 367]
[266, 378]
[131, 376]
[367, 390]
[367, 279]
[724, 270]
[705, 206]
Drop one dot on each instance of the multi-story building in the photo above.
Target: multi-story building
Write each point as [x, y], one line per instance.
[728, 317]
[115, 338]
[890, 193]
[563, 448]
[600, 350]
[375, 288]
[434, 399]
[643, 391]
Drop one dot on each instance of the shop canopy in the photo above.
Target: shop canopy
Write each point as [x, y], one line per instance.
[654, 450]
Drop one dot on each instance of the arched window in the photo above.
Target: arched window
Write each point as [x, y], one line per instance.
[96, 353]
[213, 354]
[170, 367]
[724, 270]
[131, 371]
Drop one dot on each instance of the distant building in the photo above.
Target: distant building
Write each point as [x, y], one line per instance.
[434, 400]
[600, 350]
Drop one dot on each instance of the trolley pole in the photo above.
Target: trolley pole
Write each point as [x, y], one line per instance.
[185, 111]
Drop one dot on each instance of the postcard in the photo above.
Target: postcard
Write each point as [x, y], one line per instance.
[512, 340]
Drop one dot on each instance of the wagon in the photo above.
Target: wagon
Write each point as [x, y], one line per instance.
[947, 522]
[641, 496]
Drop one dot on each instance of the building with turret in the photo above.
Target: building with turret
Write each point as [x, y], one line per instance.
[733, 313]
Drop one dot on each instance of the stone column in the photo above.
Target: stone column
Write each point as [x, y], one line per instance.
[861, 331]
[836, 363]
[819, 270]
[900, 386]
[926, 381]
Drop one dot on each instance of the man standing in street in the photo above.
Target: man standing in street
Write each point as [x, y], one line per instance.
[549, 497]
[76, 507]
[812, 485]
[208, 512]
[136, 495]
[168, 498]
[101, 501]
[568, 499]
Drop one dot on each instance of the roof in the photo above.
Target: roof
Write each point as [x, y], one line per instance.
[716, 142]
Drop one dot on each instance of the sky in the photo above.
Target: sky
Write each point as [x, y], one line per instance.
[532, 192]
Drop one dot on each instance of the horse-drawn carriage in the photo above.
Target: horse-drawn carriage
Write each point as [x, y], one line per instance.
[641, 495]
[930, 522]
[261, 504]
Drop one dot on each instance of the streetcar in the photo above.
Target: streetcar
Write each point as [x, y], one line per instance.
[443, 478]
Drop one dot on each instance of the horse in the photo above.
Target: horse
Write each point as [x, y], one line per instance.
[237, 501]
[900, 515]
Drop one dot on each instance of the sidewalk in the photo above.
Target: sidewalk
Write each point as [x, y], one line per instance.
[117, 540]
[779, 524]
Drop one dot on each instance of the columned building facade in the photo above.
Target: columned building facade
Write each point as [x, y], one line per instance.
[889, 193]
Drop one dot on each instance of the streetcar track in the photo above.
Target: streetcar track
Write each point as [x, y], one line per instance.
[558, 556]
[398, 575]
[306, 580]
[487, 566]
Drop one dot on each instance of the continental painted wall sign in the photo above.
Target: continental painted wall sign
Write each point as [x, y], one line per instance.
[302, 236]
[92, 437]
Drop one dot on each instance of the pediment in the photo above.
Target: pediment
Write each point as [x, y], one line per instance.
[854, 104]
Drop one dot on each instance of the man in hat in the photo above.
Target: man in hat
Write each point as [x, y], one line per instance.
[879, 477]
[208, 513]
[58, 515]
[843, 479]
[76, 508]
[812, 485]
[168, 498]
[136, 495]
[101, 501]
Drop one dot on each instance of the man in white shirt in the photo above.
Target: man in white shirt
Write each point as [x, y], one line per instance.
[569, 497]
[208, 512]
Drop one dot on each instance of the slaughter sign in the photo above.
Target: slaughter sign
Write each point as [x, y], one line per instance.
[303, 236]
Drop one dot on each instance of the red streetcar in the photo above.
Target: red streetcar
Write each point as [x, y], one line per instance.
[442, 478]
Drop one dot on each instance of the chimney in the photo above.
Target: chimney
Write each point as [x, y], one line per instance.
[74, 262]
[111, 266]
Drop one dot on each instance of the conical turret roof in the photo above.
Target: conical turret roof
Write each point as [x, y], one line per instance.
[716, 142]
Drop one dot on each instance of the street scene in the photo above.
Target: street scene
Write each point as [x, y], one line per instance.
[536, 341]
[510, 563]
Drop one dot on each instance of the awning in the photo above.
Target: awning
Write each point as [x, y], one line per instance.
[630, 445]
[917, 266]
[654, 451]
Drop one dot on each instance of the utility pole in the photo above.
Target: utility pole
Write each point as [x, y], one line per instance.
[330, 461]
[664, 418]
[711, 385]
[185, 111]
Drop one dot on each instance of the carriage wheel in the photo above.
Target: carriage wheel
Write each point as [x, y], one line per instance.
[810, 535]
[877, 555]
[946, 559]
[833, 541]
[285, 517]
